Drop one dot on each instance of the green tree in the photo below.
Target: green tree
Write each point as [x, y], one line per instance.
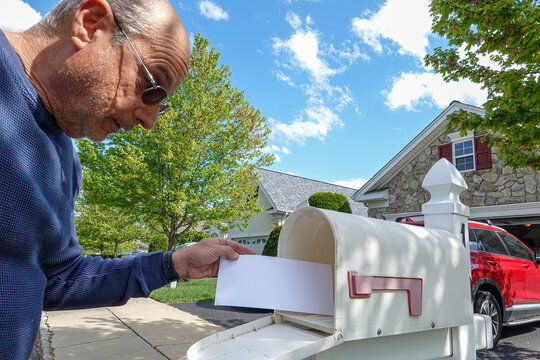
[106, 229]
[330, 201]
[270, 248]
[507, 32]
[192, 236]
[197, 164]
[159, 243]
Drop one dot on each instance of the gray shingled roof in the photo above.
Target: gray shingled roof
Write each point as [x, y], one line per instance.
[288, 191]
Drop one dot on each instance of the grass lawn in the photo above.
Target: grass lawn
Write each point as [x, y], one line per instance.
[187, 291]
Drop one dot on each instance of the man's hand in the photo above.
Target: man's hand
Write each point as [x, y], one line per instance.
[202, 259]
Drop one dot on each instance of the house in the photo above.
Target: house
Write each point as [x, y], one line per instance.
[279, 196]
[508, 198]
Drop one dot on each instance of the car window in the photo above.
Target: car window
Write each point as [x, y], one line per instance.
[488, 241]
[473, 244]
[515, 247]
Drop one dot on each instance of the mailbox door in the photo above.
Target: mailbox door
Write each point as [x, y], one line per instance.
[266, 338]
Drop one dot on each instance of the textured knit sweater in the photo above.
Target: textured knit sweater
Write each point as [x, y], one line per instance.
[41, 263]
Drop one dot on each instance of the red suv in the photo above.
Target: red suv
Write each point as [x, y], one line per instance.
[505, 276]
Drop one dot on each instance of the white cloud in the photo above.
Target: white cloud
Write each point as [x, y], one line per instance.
[276, 150]
[345, 97]
[320, 120]
[212, 10]
[410, 90]
[407, 23]
[285, 78]
[17, 15]
[303, 46]
[355, 183]
[351, 53]
[293, 20]
[303, 52]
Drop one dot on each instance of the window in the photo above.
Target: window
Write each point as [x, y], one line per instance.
[515, 247]
[488, 241]
[473, 244]
[466, 153]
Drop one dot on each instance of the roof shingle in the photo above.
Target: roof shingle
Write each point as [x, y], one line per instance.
[288, 191]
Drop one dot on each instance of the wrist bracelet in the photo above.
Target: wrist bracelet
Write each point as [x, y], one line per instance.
[168, 268]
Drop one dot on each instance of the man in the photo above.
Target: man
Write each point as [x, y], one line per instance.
[76, 74]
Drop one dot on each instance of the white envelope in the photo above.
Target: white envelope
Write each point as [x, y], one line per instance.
[275, 283]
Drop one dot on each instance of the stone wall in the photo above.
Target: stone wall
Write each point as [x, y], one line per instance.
[496, 186]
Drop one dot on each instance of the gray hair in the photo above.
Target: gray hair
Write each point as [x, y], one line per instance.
[132, 15]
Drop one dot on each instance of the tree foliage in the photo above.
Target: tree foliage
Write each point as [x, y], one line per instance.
[508, 33]
[270, 248]
[192, 236]
[330, 201]
[105, 229]
[159, 243]
[196, 165]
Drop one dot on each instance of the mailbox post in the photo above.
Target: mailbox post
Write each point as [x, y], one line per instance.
[400, 291]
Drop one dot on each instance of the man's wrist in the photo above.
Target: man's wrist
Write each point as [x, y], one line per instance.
[169, 272]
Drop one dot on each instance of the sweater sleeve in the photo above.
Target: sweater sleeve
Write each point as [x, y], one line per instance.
[76, 281]
[88, 281]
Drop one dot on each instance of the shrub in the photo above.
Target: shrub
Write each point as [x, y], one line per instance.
[270, 248]
[192, 236]
[330, 201]
[159, 243]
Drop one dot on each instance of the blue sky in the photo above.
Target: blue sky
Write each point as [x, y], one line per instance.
[341, 82]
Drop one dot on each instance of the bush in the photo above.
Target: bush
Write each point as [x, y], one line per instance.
[159, 243]
[192, 236]
[270, 249]
[330, 201]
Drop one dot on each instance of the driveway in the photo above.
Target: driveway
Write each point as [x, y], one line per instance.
[225, 316]
[517, 342]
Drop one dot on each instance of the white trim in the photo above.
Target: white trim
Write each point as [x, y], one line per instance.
[375, 199]
[531, 209]
[456, 137]
[390, 167]
[506, 211]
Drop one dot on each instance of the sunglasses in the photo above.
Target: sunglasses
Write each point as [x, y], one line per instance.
[154, 94]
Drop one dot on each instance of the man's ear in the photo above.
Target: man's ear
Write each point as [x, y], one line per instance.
[91, 17]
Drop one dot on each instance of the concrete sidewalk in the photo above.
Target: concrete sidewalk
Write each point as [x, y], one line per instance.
[141, 329]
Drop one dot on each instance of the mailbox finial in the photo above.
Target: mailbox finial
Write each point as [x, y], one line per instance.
[444, 182]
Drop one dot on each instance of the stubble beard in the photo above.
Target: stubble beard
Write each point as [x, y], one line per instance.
[83, 100]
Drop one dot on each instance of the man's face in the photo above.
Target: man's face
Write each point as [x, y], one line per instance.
[101, 86]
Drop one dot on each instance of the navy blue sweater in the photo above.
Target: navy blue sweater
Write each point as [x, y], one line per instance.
[41, 264]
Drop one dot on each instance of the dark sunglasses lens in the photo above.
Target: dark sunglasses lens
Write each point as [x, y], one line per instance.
[154, 95]
[164, 108]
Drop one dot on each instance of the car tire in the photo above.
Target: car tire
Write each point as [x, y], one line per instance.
[486, 304]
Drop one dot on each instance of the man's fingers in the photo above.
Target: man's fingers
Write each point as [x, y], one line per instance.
[228, 252]
[241, 249]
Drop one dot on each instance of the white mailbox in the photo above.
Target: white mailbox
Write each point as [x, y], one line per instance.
[400, 291]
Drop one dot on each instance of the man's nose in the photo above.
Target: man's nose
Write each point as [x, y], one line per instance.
[147, 115]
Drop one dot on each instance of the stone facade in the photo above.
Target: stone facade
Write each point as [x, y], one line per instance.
[499, 185]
